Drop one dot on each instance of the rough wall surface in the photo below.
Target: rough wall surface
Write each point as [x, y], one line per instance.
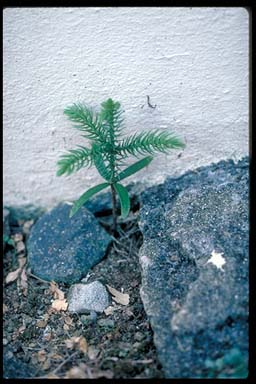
[192, 62]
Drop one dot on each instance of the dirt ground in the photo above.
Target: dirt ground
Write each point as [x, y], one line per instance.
[58, 344]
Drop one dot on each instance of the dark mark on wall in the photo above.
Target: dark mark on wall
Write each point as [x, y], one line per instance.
[149, 104]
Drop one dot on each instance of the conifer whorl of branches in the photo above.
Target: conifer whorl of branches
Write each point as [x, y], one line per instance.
[109, 149]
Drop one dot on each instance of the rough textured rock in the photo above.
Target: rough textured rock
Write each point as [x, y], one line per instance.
[64, 249]
[83, 298]
[6, 225]
[198, 307]
[25, 212]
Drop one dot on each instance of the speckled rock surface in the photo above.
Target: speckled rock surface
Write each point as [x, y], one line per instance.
[84, 298]
[194, 263]
[6, 226]
[64, 249]
[25, 212]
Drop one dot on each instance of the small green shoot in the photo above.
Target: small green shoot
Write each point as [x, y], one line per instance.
[109, 150]
[8, 241]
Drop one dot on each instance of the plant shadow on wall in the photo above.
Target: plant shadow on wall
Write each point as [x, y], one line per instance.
[109, 150]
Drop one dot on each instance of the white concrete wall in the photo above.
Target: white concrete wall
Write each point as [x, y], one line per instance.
[192, 62]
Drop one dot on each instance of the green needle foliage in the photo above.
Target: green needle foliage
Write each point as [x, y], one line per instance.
[109, 150]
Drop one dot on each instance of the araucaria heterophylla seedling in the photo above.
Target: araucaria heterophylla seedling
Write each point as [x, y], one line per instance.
[109, 149]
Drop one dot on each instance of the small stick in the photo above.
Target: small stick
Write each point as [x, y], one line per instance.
[149, 104]
[122, 245]
[118, 250]
[130, 248]
[64, 362]
[38, 278]
[134, 362]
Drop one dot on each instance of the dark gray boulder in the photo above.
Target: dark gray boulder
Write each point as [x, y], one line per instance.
[101, 203]
[6, 227]
[6, 224]
[63, 249]
[194, 263]
[24, 212]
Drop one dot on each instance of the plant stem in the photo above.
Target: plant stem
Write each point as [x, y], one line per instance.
[113, 207]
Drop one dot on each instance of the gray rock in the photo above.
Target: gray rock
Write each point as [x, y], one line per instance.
[25, 212]
[84, 298]
[107, 323]
[139, 336]
[86, 319]
[6, 225]
[100, 203]
[198, 307]
[63, 249]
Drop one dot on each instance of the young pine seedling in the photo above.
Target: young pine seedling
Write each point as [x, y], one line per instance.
[109, 150]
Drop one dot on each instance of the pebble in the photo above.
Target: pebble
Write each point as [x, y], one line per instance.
[93, 352]
[93, 316]
[9, 355]
[84, 298]
[139, 336]
[123, 353]
[85, 319]
[5, 341]
[59, 332]
[27, 319]
[106, 323]
[40, 311]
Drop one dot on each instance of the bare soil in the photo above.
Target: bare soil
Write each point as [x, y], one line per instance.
[59, 344]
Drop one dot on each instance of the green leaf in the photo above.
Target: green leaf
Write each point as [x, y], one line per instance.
[104, 171]
[134, 168]
[111, 115]
[149, 142]
[86, 196]
[8, 240]
[124, 199]
[74, 160]
[87, 121]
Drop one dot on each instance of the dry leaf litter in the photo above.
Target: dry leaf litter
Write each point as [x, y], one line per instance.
[39, 330]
